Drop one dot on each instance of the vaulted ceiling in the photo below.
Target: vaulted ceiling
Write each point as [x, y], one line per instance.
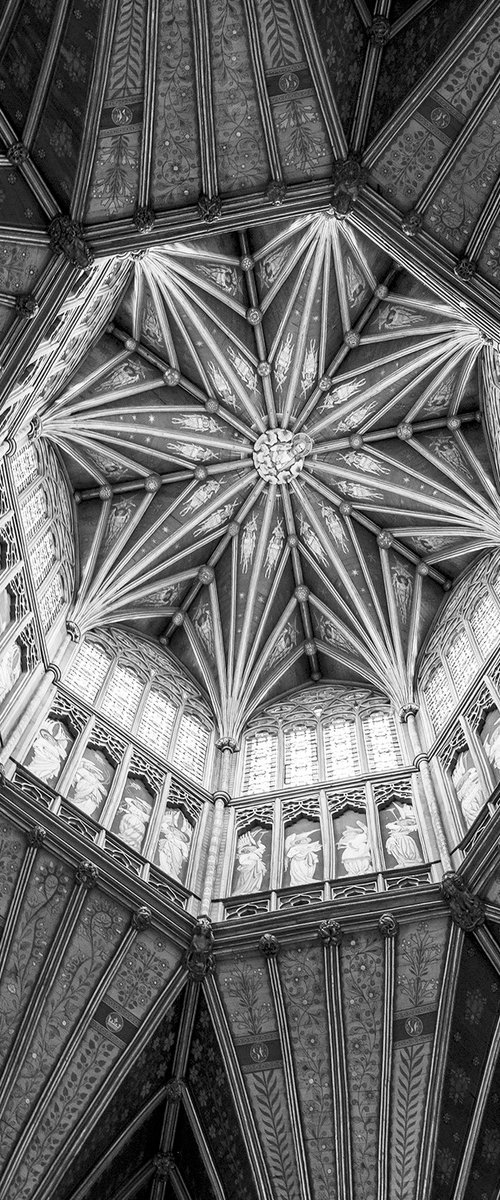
[249, 291]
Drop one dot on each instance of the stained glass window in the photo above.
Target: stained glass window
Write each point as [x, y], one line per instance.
[438, 698]
[485, 623]
[88, 671]
[381, 741]
[34, 509]
[157, 722]
[25, 466]
[121, 698]
[191, 747]
[261, 763]
[51, 601]
[341, 749]
[301, 756]
[43, 554]
[10, 669]
[461, 661]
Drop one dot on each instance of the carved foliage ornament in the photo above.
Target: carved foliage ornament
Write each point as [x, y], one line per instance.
[67, 237]
[200, 958]
[467, 910]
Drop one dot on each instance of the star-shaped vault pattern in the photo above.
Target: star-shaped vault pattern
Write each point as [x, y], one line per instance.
[279, 460]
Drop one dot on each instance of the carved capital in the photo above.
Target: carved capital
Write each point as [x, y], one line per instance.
[331, 932]
[200, 957]
[74, 631]
[276, 192]
[144, 219]
[142, 919]
[224, 796]
[388, 925]
[467, 910]
[37, 835]
[86, 874]
[408, 710]
[269, 945]
[227, 743]
[67, 237]
[209, 207]
[34, 429]
[27, 307]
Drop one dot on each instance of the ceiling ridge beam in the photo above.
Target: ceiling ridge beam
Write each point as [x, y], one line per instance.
[270, 947]
[26, 167]
[150, 71]
[456, 147]
[331, 937]
[203, 1146]
[389, 928]
[442, 1034]
[265, 109]
[204, 95]
[320, 77]
[179, 1067]
[42, 86]
[369, 78]
[36, 837]
[239, 1094]
[95, 97]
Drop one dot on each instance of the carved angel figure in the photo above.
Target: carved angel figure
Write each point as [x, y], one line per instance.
[356, 853]
[469, 790]
[89, 787]
[133, 824]
[49, 750]
[301, 856]
[250, 864]
[173, 845]
[492, 745]
[400, 845]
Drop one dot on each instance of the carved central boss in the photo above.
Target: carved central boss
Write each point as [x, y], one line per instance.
[279, 454]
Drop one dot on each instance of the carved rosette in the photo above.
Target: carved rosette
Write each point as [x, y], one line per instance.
[17, 153]
[411, 224]
[465, 269]
[269, 945]
[173, 1090]
[380, 31]
[467, 910]
[163, 1165]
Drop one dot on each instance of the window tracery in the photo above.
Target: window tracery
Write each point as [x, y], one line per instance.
[453, 659]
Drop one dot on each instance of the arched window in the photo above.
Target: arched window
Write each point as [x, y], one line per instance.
[331, 733]
[473, 612]
[138, 690]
